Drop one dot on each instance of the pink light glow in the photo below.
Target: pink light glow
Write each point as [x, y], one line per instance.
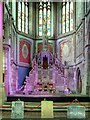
[1, 15]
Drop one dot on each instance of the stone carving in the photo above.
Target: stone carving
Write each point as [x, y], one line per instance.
[76, 112]
[17, 109]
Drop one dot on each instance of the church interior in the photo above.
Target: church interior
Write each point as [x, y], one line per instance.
[45, 56]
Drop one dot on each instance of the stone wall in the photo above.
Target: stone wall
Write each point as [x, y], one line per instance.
[82, 45]
[87, 51]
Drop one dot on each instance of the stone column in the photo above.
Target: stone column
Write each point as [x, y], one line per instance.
[66, 76]
[1, 56]
[6, 87]
[87, 54]
[72, 84]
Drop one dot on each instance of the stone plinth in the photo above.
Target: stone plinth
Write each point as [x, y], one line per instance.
[47, 109]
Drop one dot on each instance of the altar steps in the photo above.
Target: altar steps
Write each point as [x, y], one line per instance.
[54, 98]
[33, 110]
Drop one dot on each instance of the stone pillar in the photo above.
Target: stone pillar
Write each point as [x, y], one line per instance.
[1, 56]
[87, 70]
[6, 85]
[66, 76]
[8, 68]
[72, 84]
[87, 54]
[74, 80]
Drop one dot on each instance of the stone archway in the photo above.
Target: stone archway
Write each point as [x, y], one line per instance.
[79, 80]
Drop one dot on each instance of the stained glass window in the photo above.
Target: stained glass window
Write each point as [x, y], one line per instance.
[71, 16]
[63, 18]
[67, 17]
[7, 2]
[48, 21]
[19, 16]
[40, 20]
[44, 14]
[23, 16]
[26, 19]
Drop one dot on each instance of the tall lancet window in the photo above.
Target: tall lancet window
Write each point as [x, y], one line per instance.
[71, 16]
[19, 16]
[23, 18]
[63, 17]
[67, 16]
[40, 19]
[26, 25]
[48, 20]
[44, 14]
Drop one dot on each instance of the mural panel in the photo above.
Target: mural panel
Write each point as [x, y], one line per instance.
[24, 51]
[50, 47]
[67, 50]
[40, 47]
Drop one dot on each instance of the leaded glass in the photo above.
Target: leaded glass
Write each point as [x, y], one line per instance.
[71, 16]
[40, 22]
[44, 15]
[44, 11]
[23, 17]
[19, 16]
[67, 17]
[7, 2]
[26, 30]
[48, 23]
[63, 19]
